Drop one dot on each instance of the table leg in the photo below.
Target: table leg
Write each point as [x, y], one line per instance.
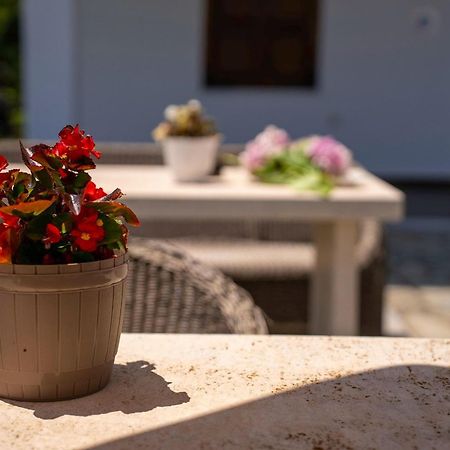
[334, 300]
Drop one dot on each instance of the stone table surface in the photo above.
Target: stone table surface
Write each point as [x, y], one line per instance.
[152, 192]
[246, 392]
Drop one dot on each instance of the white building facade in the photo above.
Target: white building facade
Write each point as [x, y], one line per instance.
[383, 77]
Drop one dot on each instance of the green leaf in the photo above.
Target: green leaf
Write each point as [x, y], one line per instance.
[315, 181]
[116, 246]
[63, 221]
[81, 180]
[44, 178]
[116, 209]
[293, 167]
[22, 183]
[56, 177]
[63, 246]
[113, 230]
[36, 228]
[44, 158]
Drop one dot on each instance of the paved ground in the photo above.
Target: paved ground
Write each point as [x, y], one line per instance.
[418, 295]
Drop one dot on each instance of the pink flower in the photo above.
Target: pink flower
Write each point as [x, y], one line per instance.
[271, 141]
[329, 154]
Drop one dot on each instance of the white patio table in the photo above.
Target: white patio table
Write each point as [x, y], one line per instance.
[192, 392]
[334, 302]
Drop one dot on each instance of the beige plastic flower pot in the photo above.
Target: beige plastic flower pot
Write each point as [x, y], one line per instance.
[59, 328]
[191, 158]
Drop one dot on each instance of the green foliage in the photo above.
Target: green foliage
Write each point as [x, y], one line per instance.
[10, 112]
[293, 167]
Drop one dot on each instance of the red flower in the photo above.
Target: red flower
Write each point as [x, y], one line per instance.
[10, 221]
[88, 230]
[92, 192]
[5, 245]
[7, 228]
[3, 165]
[77, 143]
[52, 234]
[63, 174]
[59, 149]
[3, 162]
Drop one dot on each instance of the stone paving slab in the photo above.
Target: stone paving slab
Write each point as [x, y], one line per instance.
[418, 296]
[422, 311]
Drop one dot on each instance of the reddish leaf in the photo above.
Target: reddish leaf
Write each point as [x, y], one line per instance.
[3, 162]
[115, 194]
[27, 156]
[43, 155]
[80, 164]
[35, 207]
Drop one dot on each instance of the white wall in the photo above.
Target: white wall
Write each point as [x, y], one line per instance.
[48, 32]
[384, 83]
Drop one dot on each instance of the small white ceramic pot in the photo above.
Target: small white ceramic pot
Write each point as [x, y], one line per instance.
[191, 158]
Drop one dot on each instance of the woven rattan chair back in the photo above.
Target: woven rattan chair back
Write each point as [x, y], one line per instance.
[170, 292]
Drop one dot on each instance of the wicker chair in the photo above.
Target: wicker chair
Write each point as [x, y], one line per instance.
[169, 292]
[273, 261]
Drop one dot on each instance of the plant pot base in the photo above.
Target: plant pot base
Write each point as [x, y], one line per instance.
[34, 387]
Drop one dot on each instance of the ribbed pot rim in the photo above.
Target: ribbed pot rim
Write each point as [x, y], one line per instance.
[62, 277]
[43, 269]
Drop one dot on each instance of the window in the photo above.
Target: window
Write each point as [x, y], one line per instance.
[261, 42]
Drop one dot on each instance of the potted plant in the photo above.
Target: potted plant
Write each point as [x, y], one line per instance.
[63, 266]
[315, 163]
[190, 141]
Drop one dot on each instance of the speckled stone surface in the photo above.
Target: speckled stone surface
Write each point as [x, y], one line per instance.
[243, 392]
